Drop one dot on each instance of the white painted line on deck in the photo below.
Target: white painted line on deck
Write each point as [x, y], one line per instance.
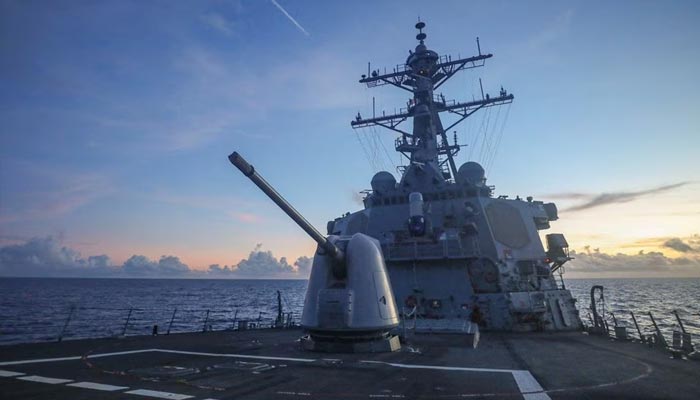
[527, 384]
[159, 395]
[438, 367]
[231, 355]
[10, 374]
[97, 386]
[536, 396]
[40, 360]
[44, 379]
[292, 393]
[120, 353]
[73, 358]
[529, 387]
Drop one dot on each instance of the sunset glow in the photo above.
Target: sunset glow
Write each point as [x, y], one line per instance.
[117, 120]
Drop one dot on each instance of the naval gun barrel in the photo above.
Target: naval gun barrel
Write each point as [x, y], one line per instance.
[248, 170]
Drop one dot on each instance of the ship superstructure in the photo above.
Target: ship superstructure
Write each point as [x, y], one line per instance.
[452, 250]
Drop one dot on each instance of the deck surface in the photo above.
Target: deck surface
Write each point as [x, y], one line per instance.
[269, 364]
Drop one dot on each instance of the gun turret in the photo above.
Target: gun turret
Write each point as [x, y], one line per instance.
[349, 298]
[248, 170]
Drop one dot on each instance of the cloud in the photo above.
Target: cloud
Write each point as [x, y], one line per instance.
[552, 32]
[247, 217]
[593, 261]
[593, 201]
[47, 257]
[54, 191]
[303, 266]
[263, 264]
[680, 246]
[570, 196]
[217, 271]
[294, 21]
[219, 23]
[167, 266]
[357, 197]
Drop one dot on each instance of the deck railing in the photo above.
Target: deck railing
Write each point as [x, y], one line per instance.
[643, 327]
[81, 322]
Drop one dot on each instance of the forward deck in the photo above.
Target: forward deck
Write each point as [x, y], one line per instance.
[269, 364]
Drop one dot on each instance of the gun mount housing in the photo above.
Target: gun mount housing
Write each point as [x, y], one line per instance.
[349, 304]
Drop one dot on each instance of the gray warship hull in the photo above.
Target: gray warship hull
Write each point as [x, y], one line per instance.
[269, 364]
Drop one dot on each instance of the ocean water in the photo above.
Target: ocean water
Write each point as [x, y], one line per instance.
[38, 309]
[660, 297]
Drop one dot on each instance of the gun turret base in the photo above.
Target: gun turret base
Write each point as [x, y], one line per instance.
[386, 344]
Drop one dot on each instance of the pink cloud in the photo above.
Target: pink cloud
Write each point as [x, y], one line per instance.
[247, 217]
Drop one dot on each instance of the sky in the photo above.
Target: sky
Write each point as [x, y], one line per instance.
[117, 118]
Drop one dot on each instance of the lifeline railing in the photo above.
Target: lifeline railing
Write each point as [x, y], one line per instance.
[650, 333]
[124, 321]
[82, 322]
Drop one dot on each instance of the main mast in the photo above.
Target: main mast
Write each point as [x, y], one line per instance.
[430, 155]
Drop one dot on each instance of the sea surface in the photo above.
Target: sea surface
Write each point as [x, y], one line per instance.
[660, 297]
[42, 309]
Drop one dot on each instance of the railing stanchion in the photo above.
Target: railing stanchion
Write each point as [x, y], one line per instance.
[126, 324]
[659, 335]
[206, 320]
[636, 325]
[680, 323]
[170, 325]
[65, 325]
[235, 317]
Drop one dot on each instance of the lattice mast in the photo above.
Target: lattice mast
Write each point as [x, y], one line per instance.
[424, 72]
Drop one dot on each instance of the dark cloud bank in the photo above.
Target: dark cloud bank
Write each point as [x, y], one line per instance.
[652, 263]
[597, 200]
[47, 257]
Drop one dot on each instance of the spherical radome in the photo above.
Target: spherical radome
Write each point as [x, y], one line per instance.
[383, 182]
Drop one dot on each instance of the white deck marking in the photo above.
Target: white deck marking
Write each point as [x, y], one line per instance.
[72, 358]
[9, 374]
[527, 384]
[44, 379]
[196, 353]
[40, 360]
[120, 353]
[529, 387]
[160, 395]
[97, 386]
[438, 367]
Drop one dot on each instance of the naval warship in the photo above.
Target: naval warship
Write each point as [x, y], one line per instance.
[436, 289]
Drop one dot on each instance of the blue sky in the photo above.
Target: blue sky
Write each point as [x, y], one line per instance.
[117, 117]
